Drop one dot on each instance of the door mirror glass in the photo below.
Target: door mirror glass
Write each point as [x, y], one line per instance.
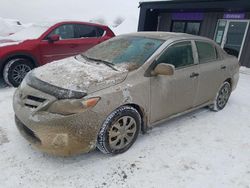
[163, 69]
[54, 38]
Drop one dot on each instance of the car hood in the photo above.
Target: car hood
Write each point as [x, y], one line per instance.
[75, 75]
[8, 42]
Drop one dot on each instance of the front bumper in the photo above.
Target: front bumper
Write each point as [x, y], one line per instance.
[52, 133]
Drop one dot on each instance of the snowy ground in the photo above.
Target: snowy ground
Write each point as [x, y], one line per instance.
[201, 149]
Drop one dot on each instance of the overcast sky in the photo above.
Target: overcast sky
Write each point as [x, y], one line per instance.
[46, 10]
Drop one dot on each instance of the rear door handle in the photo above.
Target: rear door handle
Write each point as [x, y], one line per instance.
[223, 67]
[194, 74]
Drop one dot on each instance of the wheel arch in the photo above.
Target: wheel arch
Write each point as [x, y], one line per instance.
[142, 114]
[229, 80]
[18, 55]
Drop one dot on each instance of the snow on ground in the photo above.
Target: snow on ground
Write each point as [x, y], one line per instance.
[245, 70]
[202, 149]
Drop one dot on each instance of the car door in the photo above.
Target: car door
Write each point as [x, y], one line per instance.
[212, 71]
[174, 94]
[67, 46]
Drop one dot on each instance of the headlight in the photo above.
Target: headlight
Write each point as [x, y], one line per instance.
[72, 106]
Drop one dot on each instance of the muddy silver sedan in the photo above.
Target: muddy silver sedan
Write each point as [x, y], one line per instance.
[105, 97]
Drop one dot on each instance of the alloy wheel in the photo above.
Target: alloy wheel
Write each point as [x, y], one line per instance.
[19, 72]
[223, 96]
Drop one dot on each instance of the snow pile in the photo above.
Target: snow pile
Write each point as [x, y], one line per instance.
[9, 26]
[32, 31]
[129, 25]
[245, 70]
[9, 43]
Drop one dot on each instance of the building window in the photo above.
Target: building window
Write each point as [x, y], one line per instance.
[190, 27]
[178, 27]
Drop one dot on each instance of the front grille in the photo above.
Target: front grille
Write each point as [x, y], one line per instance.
[33, 101]
[35, 98]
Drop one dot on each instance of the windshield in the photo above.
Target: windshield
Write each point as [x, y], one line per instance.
[31, 32]
[130, 50]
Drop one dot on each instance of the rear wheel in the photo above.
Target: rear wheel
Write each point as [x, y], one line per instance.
[222, 97]
[119, 131]
[15, 70]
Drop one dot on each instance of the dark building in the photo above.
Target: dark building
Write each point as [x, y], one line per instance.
[225, 21]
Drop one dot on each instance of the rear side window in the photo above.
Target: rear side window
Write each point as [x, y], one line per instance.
[87, 31]
[100, 32]
[206, 52]
[179, 55]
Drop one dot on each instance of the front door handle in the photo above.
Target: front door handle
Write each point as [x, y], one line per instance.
[194, 74]
[223, 67]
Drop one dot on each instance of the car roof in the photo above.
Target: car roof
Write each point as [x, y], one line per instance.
[168, 35]
[52, 23]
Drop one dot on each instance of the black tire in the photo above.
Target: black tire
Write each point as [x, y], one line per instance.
[15, 70]
[222, 97]
[109, 126]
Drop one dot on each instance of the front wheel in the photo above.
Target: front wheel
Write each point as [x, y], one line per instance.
[15, 70]
[119, 131]
[222, 97]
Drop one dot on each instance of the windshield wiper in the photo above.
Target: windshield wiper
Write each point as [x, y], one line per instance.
[109, 64]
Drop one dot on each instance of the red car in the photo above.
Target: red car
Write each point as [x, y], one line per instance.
[40, 44]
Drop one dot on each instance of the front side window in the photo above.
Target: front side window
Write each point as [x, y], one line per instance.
[206, 52]
[66, 31]
[179, 55]
[86, 31]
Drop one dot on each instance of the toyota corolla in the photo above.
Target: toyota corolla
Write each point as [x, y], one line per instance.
[106, 96]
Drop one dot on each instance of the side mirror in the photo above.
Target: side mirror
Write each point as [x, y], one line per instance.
[53, 38]
[163, 69]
